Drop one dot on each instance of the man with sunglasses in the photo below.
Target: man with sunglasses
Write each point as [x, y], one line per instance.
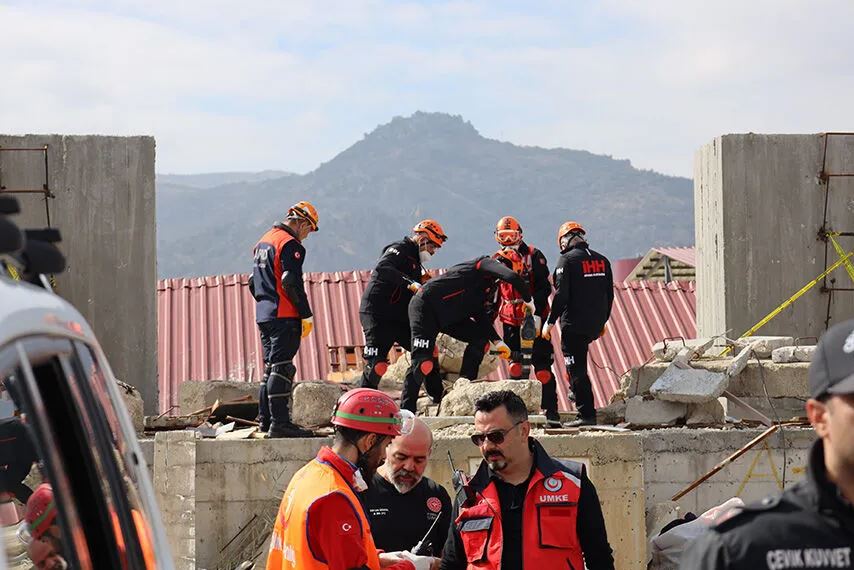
[549, 517]
[811, 525]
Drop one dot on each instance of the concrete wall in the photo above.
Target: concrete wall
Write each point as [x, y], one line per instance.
[235, 480]
[103, 204]
[759, 203]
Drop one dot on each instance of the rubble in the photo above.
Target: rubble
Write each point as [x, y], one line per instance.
[460, 400]
[198, 395]
[705, 414]
[313, 403]
[788, 354]
[133, 402]
[689, 385]
[739, 363]
[645, 413]
[694, 348]
[451, 357]
[613, 413]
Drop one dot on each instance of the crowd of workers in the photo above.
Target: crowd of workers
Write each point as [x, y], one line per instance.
[364, 503]
[402, 304]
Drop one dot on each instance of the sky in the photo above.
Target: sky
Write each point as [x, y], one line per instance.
[288, 84]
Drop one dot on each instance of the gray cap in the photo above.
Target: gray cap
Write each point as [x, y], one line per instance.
[832, 367]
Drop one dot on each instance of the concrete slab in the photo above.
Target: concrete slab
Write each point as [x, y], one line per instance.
[313, 403]
[763, 346]
[197, 395]
[640, 412]
[666, 351]
[706, 414]
[691, 386]
[460, 400]
[788, 354]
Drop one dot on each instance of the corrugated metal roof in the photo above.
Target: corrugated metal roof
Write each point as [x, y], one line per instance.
[686, 255]
[207, 331]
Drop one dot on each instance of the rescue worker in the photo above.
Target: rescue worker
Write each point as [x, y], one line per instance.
[321, 523]
[385, 303]
[45, 549]
[535, 270]
[549, 516]
[811, 524]
[282, 313]
[403, 505]
[458, 303]
[584, 294]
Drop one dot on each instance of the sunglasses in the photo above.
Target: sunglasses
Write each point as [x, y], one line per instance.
[496, 437]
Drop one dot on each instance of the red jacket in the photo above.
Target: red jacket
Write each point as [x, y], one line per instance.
[511, 311]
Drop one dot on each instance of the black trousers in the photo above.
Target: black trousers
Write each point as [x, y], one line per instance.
[380, 336]
[574, 347]
[542, 357]
[280, 340]
[425, 328]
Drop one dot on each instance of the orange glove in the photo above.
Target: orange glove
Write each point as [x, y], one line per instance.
[604, 331]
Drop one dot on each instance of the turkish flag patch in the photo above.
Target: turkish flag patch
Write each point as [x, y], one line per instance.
[297, 254]
[434, 504]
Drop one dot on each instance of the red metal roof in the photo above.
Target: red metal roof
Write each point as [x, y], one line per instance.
[206, 330]
[686, 255]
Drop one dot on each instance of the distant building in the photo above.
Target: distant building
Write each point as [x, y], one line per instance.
[665, 264]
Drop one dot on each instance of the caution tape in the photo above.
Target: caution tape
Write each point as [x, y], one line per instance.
[841, 252]
[842, 260]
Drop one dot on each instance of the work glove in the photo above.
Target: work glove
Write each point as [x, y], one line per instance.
[420, 562]
[538, 324]
[501, 348]
[604, 331]
[414, 287]
[546, 332]
[307, 326]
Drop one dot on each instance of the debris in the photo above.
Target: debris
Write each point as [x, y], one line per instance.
[617, 429]
[689, 385]
[706, 414]
[793, 354]
[747, 411]
[134, 404]
[162, 423]
[199, 395]
[763, 346]
[612, 413]
[204, 430]
[460, 400]
[242, 421]
[668, 349]
[245, 407]
[451, 356]
[244, 433]
[224, 429]
[640, 412]
[313, 403]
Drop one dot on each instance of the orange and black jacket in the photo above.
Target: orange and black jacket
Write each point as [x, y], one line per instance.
[584, 291]
[276, 281]
[387, 295]
[537, 269]
[468, 289]
[562, 522]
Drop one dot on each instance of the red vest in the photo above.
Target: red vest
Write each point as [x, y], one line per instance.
[277, 238]
[549, 538]
[512, 308]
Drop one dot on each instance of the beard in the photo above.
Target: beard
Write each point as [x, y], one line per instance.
[404, 480]
[496, 460]
[368, 463]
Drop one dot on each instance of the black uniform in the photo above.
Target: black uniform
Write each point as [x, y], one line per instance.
[384, 311]
[811, 525]
[537, 274]
[399, 520]
[584, 294]
[460, 304]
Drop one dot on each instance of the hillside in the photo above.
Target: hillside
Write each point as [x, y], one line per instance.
[427, 165]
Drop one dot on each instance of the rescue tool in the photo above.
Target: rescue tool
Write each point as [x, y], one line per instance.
[416, 550]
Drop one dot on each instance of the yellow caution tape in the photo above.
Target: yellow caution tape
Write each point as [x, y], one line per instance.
[844, 259]
[841, 252]
[12, 271]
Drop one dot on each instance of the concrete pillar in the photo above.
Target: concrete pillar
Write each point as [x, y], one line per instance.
[175, 490]
[759, 206]
[103, 203]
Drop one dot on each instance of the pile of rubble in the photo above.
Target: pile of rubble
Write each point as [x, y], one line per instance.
[699, 383]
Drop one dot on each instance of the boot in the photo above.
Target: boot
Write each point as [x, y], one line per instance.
[288, 430]
[553, 419]
[581, 422]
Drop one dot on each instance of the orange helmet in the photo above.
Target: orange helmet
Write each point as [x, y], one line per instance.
[434, 231]
[569, 228]
[511, 258]
[508, 231]
[372, 411]
[41, 510]
[305, 210]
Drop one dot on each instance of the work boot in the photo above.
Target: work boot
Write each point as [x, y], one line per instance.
[581, 422]
[553, 419]
[288, 430]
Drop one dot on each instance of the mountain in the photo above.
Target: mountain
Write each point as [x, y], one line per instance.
[429, 165]
[212, 179]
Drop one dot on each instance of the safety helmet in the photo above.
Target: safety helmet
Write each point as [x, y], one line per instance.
[569, 228]
[306, 211]
[508, 231]
[41, 510]
[434, 231]
[511, 258]
[372, 411]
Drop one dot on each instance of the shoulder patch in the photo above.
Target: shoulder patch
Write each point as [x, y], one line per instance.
[297, 254]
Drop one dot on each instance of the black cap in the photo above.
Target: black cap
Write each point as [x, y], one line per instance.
[832, 367]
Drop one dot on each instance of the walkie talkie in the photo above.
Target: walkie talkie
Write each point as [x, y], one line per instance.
[465, 494]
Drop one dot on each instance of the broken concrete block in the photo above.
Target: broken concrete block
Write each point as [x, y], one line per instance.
[709, 413]
[460, 400]
[739, 362]
[196, 395]
[394, 376]
[612, 414]
[763, 346]
[788, 354]
[640, 412]
[134, 404]
[666, 351]
[451, 357]
[313, 403]
[691, 386]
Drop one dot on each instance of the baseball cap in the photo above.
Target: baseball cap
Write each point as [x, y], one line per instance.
[832, 367]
